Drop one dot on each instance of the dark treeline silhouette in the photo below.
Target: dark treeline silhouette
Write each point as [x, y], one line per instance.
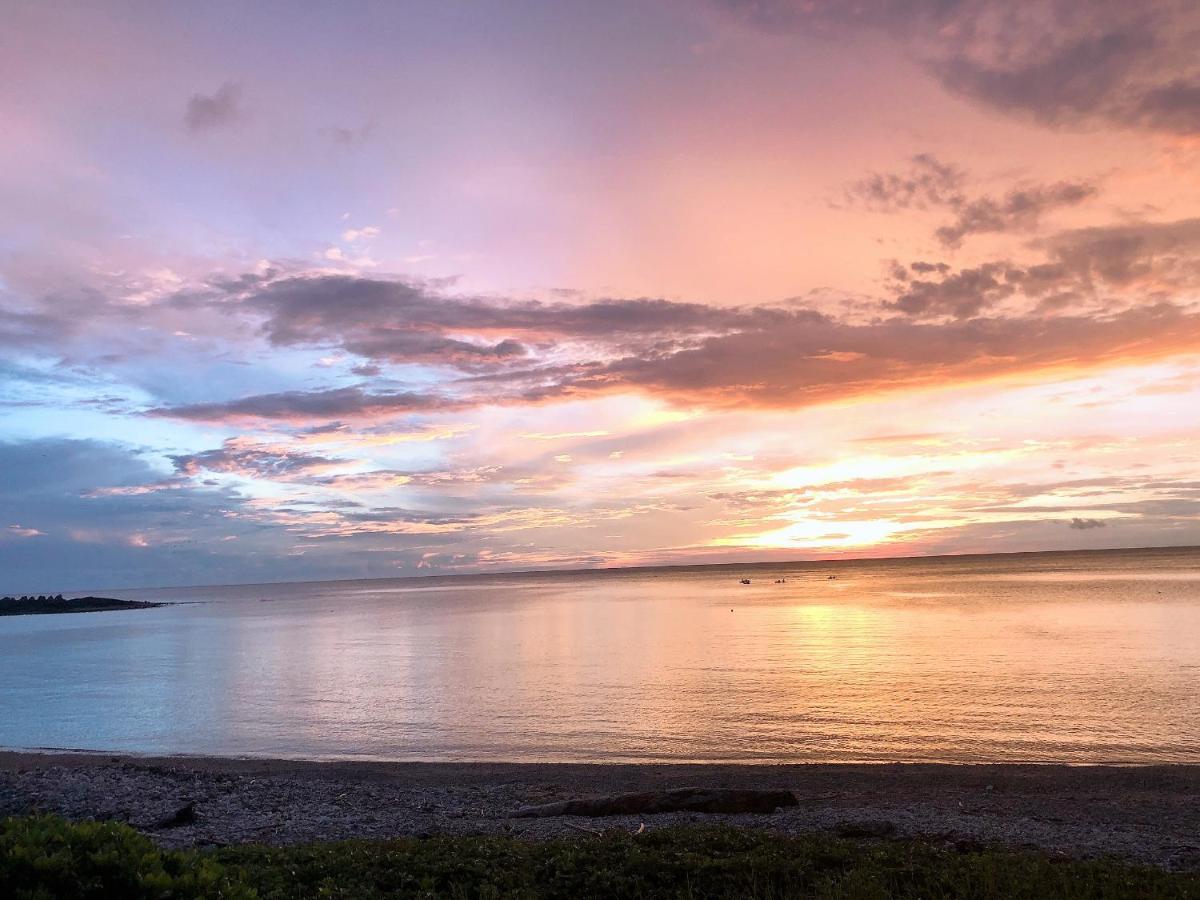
[35, 604]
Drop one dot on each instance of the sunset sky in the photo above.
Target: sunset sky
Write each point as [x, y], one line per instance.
[298, 291]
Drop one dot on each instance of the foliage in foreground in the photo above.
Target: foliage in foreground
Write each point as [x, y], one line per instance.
[45, 857]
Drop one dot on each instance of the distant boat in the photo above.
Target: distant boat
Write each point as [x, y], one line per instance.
[745, 581]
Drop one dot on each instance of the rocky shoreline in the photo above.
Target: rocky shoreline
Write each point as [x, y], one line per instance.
[1143, 814]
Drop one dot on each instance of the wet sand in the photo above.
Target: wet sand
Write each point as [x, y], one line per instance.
[1147, 814]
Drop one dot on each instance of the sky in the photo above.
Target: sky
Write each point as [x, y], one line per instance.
[295, 291]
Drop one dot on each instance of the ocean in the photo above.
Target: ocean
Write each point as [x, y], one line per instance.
[1063, 657]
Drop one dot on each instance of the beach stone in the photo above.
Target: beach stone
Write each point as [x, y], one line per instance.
[1147, 815]
[696, 800]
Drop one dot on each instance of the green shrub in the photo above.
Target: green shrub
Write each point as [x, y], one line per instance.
[44, 857]
[47, 858]
[689, 863]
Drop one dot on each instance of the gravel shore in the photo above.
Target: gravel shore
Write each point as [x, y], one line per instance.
[1145, 814]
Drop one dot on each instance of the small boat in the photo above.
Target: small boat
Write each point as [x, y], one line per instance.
[745, 581]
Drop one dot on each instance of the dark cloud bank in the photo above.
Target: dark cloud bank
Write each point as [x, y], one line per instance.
[1061, 63]
[92, 515]
[1098, 296]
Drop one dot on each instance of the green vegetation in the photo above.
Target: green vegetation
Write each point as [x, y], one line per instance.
[45, 857]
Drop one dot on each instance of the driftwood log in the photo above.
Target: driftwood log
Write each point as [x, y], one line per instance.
[702, 800]
[185, 815]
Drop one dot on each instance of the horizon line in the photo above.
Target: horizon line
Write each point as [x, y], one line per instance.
[595, 569]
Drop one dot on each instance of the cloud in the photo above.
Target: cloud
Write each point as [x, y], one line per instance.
[960, 294]
[561, 435]
[91, 536]
[1066, 84]
[310, 308]
[379, 480]
[413, 347]
[805, 362]
[305, 406]
[1104, 266]
[206, 112]
[1172, 107]
[1090, 297]
[1098, 296]
[494, 519]
[1019, 210]
[1123, 77]
[94, 536]
[25, 329]
[1162, 255]
[929, 182]
[241, 456]
[366, 233]
[137, 490]
[389, 320]
[19, 531]
[385, 479]
[934, 508]
[1057, 62]
[1094, 297]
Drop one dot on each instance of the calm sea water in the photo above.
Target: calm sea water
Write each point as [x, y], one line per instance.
[1062, 657]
